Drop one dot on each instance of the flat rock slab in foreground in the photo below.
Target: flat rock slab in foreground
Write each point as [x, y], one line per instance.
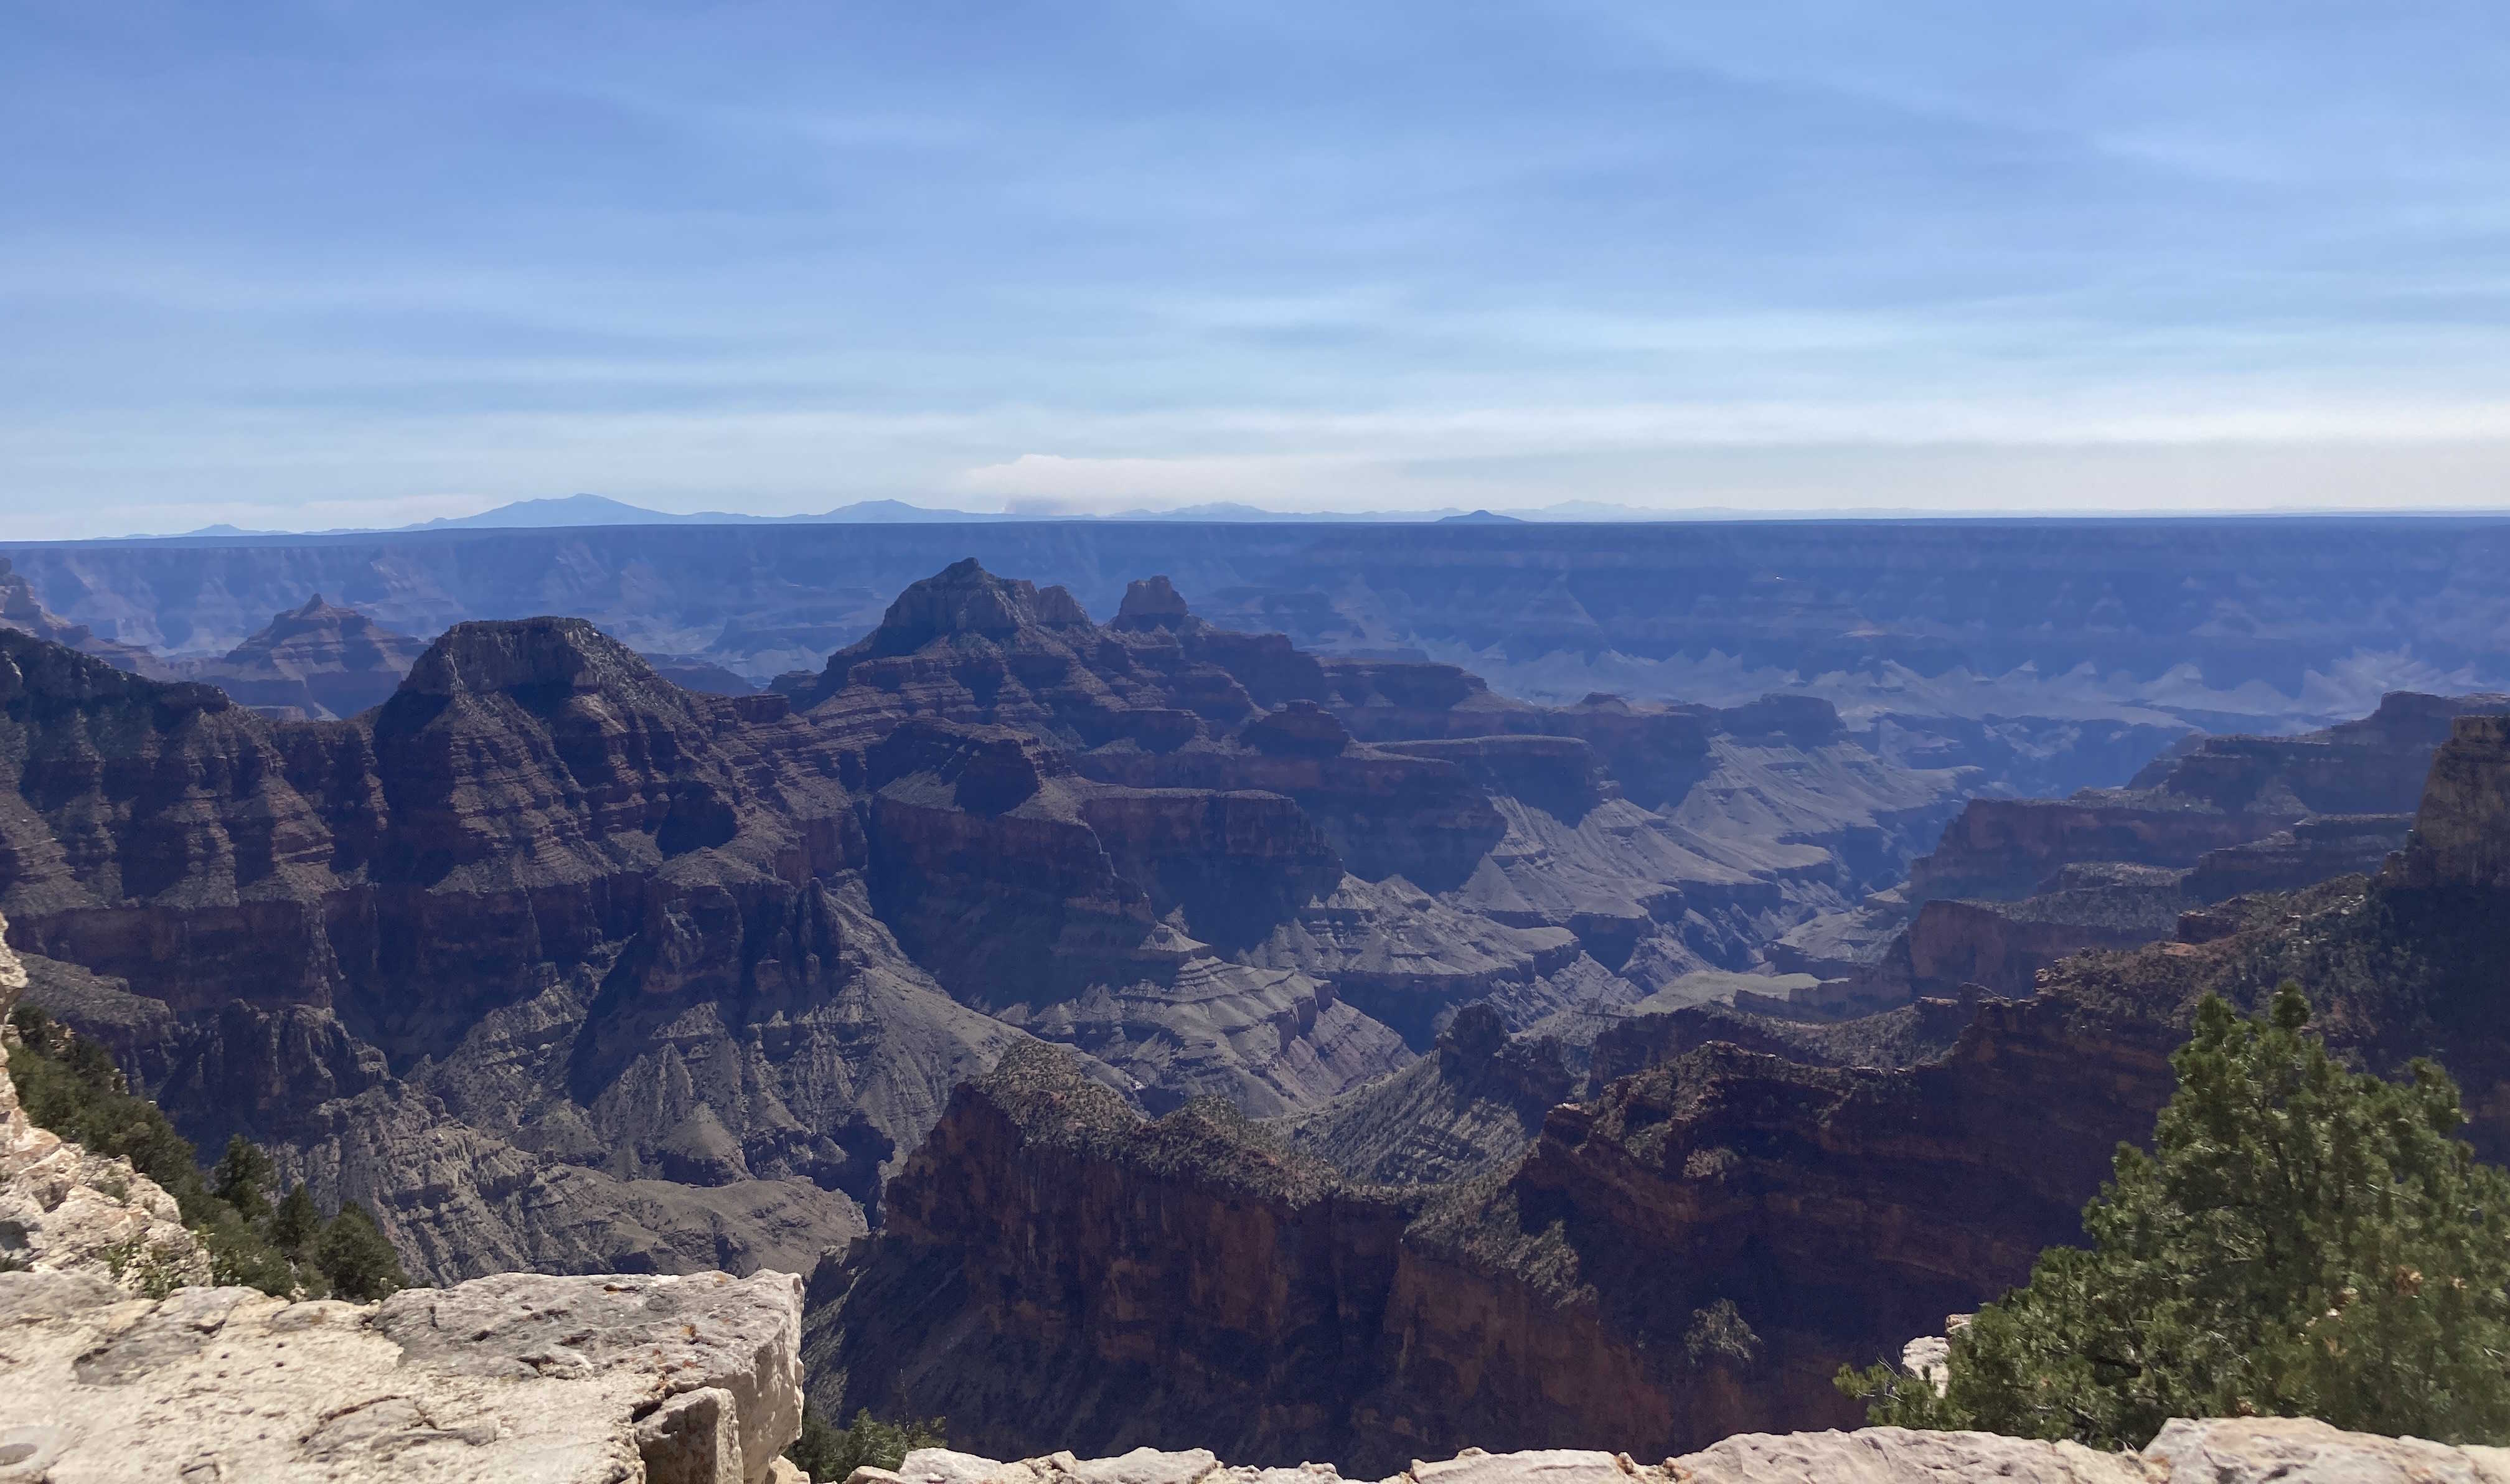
[522, 1379]
[2231, 1451]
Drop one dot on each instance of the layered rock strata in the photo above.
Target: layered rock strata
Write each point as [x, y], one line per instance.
[547, 962]
[21, 610]
[2218, 794]
[1691, 1250]
[1392, 829]
[519, 1378]
[2233, 625]
[1050, 1255]
[2017, 884]
[318, 661]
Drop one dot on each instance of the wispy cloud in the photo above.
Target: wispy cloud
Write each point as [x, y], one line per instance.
[778, 256]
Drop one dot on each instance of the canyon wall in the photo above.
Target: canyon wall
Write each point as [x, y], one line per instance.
[2231, 624]
[1052, 1261]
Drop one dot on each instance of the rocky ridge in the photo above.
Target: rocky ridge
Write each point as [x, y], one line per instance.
[2035, 628]
[1050, 1254]
[1392, 829]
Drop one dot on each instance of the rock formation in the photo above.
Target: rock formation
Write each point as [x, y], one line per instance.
[2223, 1451]
[554, 962]
[2218, 794]
[1049, 1254]
[2462, 832]
[523, 1378]
[2017, 884]
[1821, 1190]
[2038, 632]
[23, 611]
[64, 1210]
[545, 961]
[318, 661]
[1392, 829]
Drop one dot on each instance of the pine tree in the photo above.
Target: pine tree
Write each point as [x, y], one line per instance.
[2302, 1242]
[826, 1453]
[296, 1223]
[354, 1255]
[239, 1177]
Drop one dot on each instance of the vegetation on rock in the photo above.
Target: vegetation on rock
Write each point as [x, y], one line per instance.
[69, 1084]
[2303, 1241]
[834, 1453]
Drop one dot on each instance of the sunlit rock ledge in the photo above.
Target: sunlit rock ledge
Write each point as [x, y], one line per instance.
[2223, 1451]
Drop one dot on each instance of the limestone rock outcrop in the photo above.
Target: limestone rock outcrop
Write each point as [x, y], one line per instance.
[2217, 1451]
[520, 1378]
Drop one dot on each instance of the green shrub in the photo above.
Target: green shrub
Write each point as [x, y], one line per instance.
[70, 1086]
[354, 1257]
[826, 1453]
[2302, 1240]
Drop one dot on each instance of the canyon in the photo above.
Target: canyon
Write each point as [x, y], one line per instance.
[1690, 1245]
[1151, 1029]
[554, 964]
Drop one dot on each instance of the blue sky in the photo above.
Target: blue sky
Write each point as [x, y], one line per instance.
[355, 264]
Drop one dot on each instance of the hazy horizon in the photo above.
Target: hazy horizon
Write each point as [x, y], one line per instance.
[301, 267]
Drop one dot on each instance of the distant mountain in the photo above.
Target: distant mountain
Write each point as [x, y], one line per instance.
[887, 513]
[591, 509]
[1231, 510]
[571, 510]
[601, 510]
